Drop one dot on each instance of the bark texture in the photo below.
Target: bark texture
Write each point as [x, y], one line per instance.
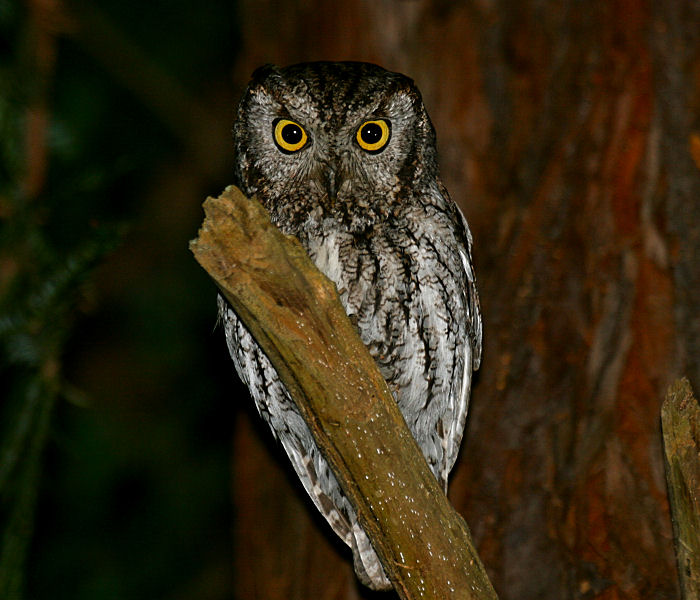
[680, 417]
[569, 132]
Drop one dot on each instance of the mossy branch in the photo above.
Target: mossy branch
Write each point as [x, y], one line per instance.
[294, 313]
[680, 420]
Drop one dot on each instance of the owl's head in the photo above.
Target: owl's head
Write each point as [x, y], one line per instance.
[348, 141]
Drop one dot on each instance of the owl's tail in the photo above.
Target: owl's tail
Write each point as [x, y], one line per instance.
[367, 566]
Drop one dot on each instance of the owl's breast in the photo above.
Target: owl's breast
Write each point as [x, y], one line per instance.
[364, 274]
[405, 292]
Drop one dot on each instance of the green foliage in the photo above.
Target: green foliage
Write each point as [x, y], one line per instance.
[41, 286]
[114, 464]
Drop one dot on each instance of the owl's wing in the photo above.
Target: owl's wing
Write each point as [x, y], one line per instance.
[474, 328]
[278, 410]
[471, 354]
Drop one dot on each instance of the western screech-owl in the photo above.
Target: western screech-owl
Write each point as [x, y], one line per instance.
[343, 156]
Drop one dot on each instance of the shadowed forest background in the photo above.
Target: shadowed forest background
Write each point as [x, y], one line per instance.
[132, 464]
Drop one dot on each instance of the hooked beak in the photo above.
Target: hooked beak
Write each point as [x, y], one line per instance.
[330, 183]
[328, 177]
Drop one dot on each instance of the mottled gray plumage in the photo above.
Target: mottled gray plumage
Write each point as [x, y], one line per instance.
[366, 201]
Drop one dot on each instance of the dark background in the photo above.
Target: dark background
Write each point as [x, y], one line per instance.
[132, 465]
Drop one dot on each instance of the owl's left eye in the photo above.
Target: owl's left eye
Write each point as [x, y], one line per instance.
[373, 136]
[289, 136]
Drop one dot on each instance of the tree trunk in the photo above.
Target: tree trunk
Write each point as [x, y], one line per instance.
[569, 132]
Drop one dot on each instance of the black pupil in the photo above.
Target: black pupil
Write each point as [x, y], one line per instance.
[371, 133]
[291, 134]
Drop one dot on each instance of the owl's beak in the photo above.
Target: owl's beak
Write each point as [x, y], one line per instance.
[330, 181]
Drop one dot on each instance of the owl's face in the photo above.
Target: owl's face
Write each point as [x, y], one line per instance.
[347, 141]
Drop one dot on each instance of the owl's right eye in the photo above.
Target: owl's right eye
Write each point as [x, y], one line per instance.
[289, 136]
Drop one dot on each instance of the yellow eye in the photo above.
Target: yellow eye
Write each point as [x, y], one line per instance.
[373, 136]
[289, 136]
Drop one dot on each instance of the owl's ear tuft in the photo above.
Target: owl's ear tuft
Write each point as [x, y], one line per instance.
[262, 73]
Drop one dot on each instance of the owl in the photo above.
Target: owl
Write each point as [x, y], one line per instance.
[343, 156]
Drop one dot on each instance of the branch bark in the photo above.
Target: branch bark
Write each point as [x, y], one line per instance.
[680, 419]
[294, 313]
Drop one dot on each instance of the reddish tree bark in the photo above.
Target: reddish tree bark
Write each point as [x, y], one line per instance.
[566, 132]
